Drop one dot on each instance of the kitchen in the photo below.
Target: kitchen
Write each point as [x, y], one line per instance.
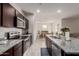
[20, 29]
[14, 36]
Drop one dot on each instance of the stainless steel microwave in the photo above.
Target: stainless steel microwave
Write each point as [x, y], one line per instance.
[20, 22]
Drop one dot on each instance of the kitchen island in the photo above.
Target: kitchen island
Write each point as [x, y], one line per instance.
[68, 48]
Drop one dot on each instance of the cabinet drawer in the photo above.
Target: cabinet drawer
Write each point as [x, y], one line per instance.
[18, 49]
[18, 45]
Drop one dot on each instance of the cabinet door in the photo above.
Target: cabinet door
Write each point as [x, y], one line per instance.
[18, 14]
[18, 49]
[27, 44]
[27, 24]
[0, 14]
[31, 40]
[49, 45]
[8, 15]
[8, 53]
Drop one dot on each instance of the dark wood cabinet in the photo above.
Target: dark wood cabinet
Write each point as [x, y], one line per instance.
[8, 15]
[53, 48]
[18, 14]
[26, 24]
[49, 45]
[0, 13]
[18, 49]
[26, 45]
[14, 51]
[8, 53]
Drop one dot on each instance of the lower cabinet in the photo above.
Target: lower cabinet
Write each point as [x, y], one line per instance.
[26, 45]
[31, 40]
[49, 46]
[8, 53]
[18, 49]
[14, 51]
[53, 49]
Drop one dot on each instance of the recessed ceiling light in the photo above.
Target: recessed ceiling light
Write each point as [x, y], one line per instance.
[38, 11]
[58, 11]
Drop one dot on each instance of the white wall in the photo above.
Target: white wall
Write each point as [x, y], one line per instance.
[40, 27]
[52, 25]
[72, 23]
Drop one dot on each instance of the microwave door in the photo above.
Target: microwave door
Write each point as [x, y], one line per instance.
[20, 23]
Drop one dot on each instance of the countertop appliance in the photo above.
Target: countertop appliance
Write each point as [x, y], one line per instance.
[13, 35]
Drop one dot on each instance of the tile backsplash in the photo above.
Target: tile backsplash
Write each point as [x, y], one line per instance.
[3, 30]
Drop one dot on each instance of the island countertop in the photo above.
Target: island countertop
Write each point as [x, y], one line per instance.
[67, 46]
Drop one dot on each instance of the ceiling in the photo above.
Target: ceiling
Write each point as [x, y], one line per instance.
[48, 11]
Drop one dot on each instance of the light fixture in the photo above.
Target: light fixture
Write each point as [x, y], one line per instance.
[39, 7]
[38, 11]
[44, 26]
[59, 11]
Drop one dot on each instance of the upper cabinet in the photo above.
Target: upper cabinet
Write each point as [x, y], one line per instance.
[8, 15]
[18, 14]
[0, 14]
[27, 23]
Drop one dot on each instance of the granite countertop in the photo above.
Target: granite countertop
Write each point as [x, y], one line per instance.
[9, 44]
[67, 46]
[26, 35]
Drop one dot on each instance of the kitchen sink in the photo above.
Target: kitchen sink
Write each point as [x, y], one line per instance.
[55, 37]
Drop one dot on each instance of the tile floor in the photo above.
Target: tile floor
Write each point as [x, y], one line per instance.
[38, 49]
[35, 49]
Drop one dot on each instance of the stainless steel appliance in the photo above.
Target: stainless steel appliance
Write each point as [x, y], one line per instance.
[20, 22]
[13, 35]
